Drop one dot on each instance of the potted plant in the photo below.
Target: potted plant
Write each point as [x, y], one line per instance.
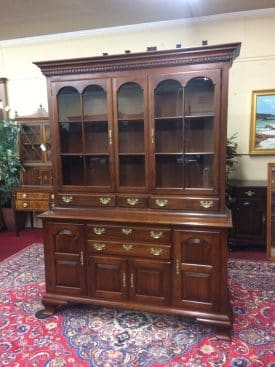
[10, 167]
[231, 164]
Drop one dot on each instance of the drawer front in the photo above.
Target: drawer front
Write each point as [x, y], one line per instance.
[130, 249]
[69, 200]
[129, 233]
[250, 192]
[22, 195]
[202, 204]
[132, 201]
[39, 205]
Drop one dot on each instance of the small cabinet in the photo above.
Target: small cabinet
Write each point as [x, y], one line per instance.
[270, 227]
[248, 214]
[65, 266]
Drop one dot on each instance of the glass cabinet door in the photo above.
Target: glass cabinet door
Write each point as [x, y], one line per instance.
[30, 143]
[85, 136]
[183, 133]
[131, 165]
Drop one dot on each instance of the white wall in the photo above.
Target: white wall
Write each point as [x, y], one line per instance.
[254, 69]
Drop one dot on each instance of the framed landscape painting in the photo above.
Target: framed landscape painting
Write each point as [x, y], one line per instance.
[262, 129]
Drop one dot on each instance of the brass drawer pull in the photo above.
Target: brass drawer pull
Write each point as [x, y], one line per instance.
[156, 235]
[206, 204]
[161, 202]
[104, 201]
[81, 258]
[156, 251]
[249, 193]
[67, 199]
[99, 246]
[132, 201]
[25, 205]
[124, 280]
[127, 247]
[127, 231]
[24, 195]
[99, 230]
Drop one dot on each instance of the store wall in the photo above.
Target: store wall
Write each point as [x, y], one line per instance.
[254, 69]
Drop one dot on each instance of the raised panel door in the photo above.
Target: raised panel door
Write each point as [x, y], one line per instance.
[149, 281]
[197, 270]
[64, 258]
[107, 277]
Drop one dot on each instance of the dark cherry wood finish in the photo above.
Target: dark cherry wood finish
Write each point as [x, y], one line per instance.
[249, 209]
[139, 179]
[270, 224]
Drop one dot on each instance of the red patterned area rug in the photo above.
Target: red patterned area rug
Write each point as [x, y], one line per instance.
[103, 337]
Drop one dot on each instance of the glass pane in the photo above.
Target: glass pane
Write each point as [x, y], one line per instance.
[169, 136]
[30, 143]
[97, 169]
[72, 170]
[69, 109]
[168, 99]
[199, 97]
[199, 135]
[198, 171]
[132, 171]
[48, 142]
[71, 137]
[131, 137]
[96, 137]
[169, 171]
[130, 101]
[94, 103]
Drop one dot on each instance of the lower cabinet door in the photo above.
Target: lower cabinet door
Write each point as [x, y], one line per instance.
[197, 263]
[64, 258]
[149, 281]
[107, 278]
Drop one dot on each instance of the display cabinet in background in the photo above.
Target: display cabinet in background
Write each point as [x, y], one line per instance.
[140, 219]
[3, 99]
[35, 192]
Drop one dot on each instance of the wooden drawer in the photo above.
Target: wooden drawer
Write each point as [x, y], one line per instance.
[129, 233]
[84, 200]
[130, 249]
[249, 192]
[132, 201]
[35, 205]
[202, 203]
[23, 195]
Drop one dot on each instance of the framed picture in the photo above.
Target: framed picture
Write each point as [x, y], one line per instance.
[262, 129]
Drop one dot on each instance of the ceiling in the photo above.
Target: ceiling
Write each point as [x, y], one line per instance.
[29, 18]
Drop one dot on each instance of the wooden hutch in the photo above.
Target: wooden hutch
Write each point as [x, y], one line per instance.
[140, 219]
[35, 193]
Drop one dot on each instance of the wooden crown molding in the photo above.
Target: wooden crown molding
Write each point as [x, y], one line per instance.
[150, 59]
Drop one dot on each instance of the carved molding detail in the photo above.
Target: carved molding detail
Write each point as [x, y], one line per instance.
[61, 70]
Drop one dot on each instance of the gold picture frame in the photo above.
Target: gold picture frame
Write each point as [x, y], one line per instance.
[262, 128]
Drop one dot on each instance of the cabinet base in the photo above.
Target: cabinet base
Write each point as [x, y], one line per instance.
[222, 323]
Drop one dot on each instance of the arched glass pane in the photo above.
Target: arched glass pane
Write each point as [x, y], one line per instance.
[199, 97]
[130, 101]
[68, 100]
[168, 99]
[94, 103]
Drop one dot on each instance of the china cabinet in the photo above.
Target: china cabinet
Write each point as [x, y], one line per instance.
[35, 193]
[140, 219]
